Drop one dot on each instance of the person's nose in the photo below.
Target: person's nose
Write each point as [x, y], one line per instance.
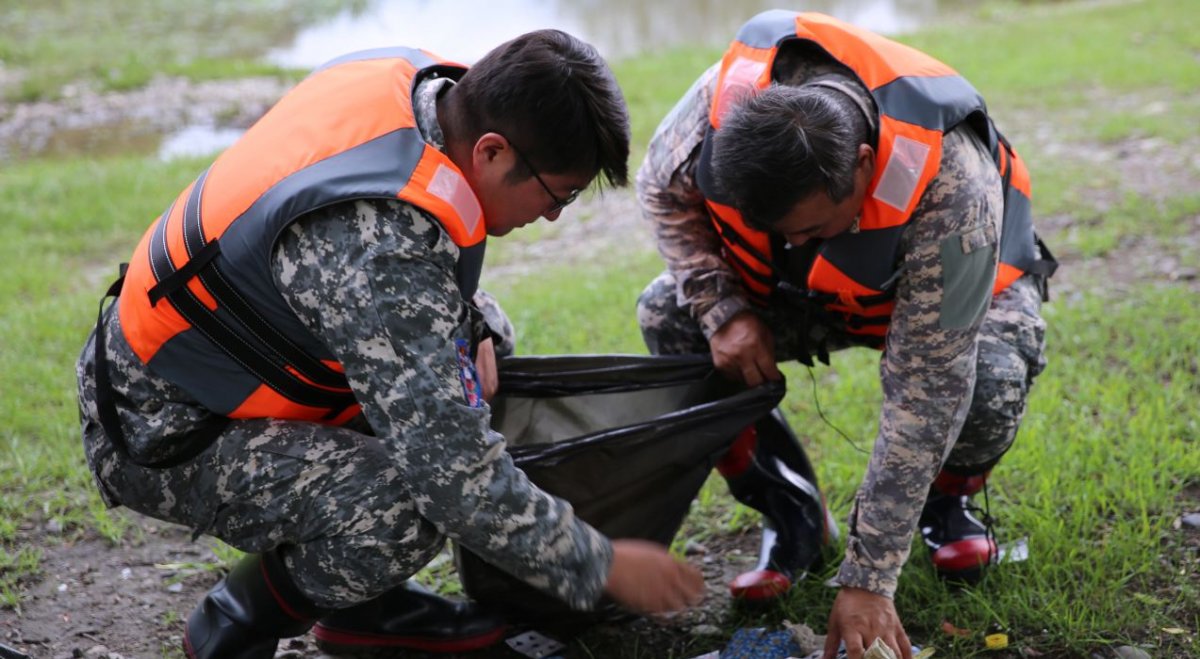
[797, 240]
[553, 215]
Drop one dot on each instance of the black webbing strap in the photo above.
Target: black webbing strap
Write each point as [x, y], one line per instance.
[179, 278]
[801, 299]
[276, 345]
[106, 406]
[731, 234]
[272, 373]
[1044, 267]
[259, 351]
[1047, 265]
[227, 297]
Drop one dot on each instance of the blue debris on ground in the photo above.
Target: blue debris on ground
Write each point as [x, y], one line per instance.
[760, 644]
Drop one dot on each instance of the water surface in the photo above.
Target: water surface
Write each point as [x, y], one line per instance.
[464, 30]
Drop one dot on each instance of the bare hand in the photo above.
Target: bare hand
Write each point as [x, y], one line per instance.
[646, 578]
[744, 350]
[858, 618]
[485, 368]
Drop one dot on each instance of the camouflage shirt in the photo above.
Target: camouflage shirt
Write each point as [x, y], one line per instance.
[375, 281]
[928, 368]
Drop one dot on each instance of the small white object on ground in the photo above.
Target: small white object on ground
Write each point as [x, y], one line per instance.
[534, 645]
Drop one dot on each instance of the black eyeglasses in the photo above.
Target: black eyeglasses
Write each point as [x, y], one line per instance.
[559, 204]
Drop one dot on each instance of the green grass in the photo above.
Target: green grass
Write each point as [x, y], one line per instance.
[1052, 55]
[122, 44]
[556, 309]
[1158, 118]
[72, 222]
[652, 86]
[1133, 217]
[1108, 443]
[1106, 452]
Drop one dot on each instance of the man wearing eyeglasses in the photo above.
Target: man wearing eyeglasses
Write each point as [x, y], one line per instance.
[821, 188]
[297, 365]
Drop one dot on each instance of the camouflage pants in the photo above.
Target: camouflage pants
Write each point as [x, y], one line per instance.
[1011, 354]
[327, 497]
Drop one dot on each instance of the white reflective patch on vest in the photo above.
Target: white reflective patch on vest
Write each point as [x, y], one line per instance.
[449, 186]
[902, 173]
[739, 82]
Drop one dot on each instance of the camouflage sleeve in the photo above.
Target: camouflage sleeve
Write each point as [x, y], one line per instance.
[375, 280]
[671, 201]
[928, 367]
[494, 322]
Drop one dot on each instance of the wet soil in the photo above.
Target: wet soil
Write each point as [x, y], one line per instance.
[99, 600]
[95, 599]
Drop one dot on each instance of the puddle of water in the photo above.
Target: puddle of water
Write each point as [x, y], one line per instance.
[617, 28]
[195, 141]
[110, 139]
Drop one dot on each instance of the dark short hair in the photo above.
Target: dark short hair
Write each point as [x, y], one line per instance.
[556, 99]
[776, 148]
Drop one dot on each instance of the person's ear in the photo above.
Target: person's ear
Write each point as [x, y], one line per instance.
[866, 161]
[489, 154]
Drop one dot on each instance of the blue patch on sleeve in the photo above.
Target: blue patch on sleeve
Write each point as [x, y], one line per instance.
[467, 375]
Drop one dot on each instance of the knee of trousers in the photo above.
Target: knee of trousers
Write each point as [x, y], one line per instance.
[991, 424]
[667, 328]
[366, 501]
[341, 571]
[369, 536]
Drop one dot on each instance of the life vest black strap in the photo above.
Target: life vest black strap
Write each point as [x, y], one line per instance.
[276, 345]
[261, 354]
[858, 322]
[227, 297]
[729, 233]
[179, 278]
[268, 368]
[1047, 265]
[106, 406]
[1044, 267]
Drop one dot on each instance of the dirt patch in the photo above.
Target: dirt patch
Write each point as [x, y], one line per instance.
[94, 598]
[97, 600]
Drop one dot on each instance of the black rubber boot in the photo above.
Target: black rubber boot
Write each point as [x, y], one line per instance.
[245, 615]
[960, 545]
[409, 616]
[767, 470]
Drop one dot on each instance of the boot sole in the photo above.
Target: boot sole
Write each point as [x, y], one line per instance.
[961, 578]
[333, 641]
[963, 562]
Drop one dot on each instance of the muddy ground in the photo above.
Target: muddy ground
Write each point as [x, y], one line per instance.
[98, 600]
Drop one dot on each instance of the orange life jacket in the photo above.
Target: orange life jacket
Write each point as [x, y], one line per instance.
[919, 99]
[199, 305]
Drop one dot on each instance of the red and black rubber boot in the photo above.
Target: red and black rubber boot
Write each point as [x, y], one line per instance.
[960, 545]
[245, 615]
[768, 470]
[409, 616]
